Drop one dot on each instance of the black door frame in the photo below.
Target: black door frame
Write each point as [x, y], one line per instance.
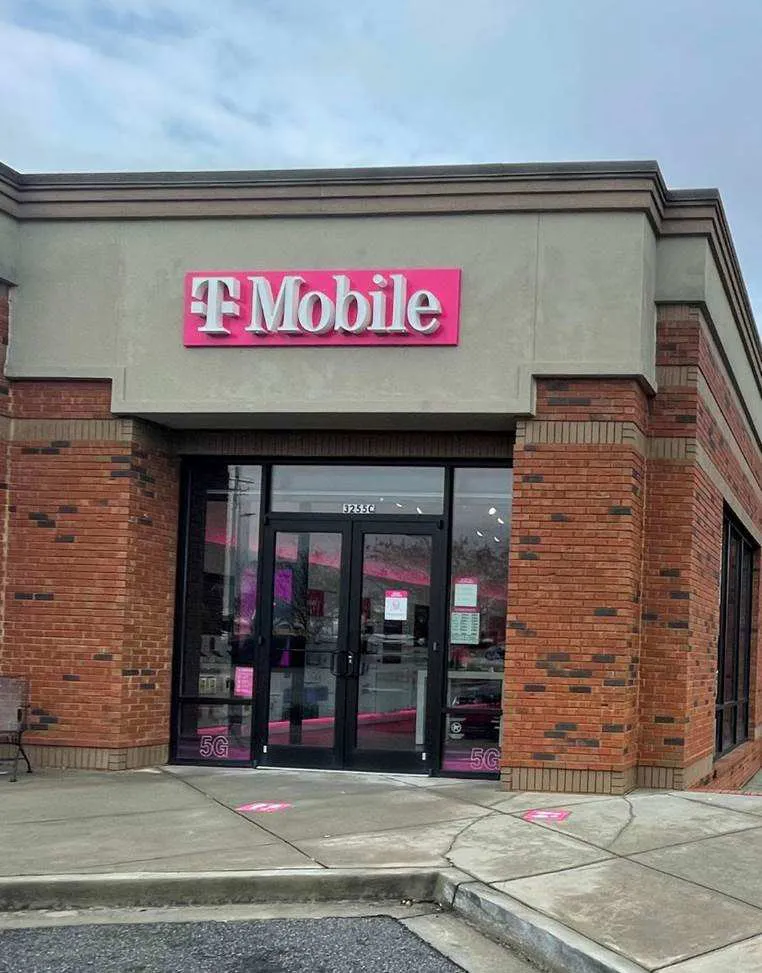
[344, 754]
[264, 752]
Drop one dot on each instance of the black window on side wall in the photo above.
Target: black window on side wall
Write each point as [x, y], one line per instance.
[733, 664]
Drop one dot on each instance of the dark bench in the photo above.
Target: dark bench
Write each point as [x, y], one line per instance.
[14, 699]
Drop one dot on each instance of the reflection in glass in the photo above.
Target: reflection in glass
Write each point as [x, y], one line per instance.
[733, 674]
[304, 639]
[218, 657]
[394, 642]
[402, 490]
[476, 619]
[214, 732]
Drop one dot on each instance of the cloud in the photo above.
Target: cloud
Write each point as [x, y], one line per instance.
[189, 84]
[140, 84]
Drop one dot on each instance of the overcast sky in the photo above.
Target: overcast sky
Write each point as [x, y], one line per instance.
[208, 84]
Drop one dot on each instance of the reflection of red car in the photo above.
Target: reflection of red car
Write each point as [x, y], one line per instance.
[475, 712]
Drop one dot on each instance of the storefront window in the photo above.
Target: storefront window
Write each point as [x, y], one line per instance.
[733, 676]
[214, 732]
[476, 619]
[402, 490]
[218, 650]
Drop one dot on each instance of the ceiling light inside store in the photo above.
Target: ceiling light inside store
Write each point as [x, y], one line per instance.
[500, 520]
[492, 511]
[479, 534]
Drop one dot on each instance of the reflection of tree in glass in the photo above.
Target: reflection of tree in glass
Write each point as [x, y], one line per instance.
[406, 554]
[489, 565]
[308, 576]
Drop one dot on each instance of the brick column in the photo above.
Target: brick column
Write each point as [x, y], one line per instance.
[701, 455]
[7, 665]
[571, 682]
[90, 576]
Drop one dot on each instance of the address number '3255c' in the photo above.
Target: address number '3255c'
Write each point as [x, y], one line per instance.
[358, 508]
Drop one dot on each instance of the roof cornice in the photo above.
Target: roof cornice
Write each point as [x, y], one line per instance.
[340, 192]
[361, 175]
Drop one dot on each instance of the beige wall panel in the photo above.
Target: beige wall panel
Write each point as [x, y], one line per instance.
[540, 293]
[8, 249]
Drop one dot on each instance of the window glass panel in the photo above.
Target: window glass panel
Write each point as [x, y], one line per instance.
[401, 490]
[476, 619]
[305, 639]
[744, 623]
[742, 722]
[218, 652]
[394, 642]
[728, 737]
[732, 713]
[214, 732]
[731, 618]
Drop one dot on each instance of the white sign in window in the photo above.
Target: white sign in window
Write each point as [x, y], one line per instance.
[466, 593]
[395, 606]
[464, 628]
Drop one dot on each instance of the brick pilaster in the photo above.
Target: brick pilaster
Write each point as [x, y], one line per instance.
[570, 706]
[90, 585]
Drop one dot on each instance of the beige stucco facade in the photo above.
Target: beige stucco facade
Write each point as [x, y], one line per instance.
[561, 279]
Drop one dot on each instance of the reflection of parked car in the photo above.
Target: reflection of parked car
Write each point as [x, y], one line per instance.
[475, 712]
[486, 656]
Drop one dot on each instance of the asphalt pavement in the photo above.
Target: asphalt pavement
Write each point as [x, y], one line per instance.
[364, 945]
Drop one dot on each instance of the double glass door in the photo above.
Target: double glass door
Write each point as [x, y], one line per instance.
[350, 642]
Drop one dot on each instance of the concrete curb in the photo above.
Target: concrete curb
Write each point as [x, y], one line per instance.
[541, 939]
[153, 889]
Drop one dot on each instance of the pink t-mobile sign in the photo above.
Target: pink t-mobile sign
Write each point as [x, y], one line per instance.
[418, 306]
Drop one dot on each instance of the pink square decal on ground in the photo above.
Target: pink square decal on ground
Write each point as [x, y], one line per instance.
[545, 814]
[264, 807]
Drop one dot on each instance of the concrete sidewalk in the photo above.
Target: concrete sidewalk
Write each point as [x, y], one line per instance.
[665, 881]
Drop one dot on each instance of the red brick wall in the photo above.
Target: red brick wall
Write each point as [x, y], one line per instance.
[5, 412]
[66, 587]
[683, 562]
[64, 400]
[601, 671]
[667, 589]
[151, 558]
[573, 630]
[90, 575]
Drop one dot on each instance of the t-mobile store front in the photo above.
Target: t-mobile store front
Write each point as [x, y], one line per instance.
[436, 470]
[344, 615]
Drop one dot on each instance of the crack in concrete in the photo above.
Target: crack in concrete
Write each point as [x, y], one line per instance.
[630, 820]
[451, 847]
[254, 824]
[707, 803]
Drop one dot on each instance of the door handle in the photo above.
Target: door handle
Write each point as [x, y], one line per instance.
[351, 663]
[339, 664]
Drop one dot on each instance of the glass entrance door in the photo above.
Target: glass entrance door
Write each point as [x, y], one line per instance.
[392, 641]
[305, 643]
[350, 637]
